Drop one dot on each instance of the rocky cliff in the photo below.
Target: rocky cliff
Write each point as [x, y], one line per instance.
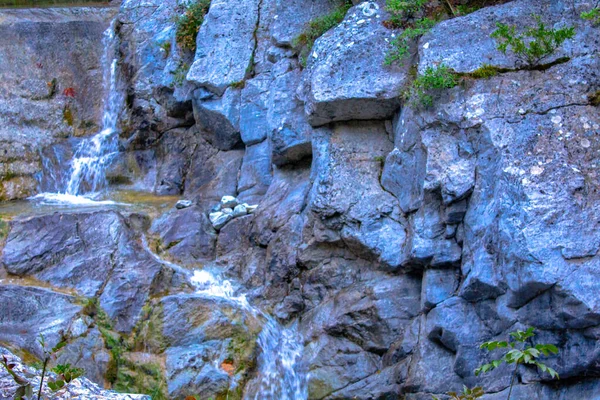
[50, 77]
[394, 237]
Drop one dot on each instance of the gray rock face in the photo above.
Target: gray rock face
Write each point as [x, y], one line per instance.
[369, 90]
[186, 235]
[397, 238]
[96, 254]
[34, 110]
[219, 117]
[225, 45]
[28, 312]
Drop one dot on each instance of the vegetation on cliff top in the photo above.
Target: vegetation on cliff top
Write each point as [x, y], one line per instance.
[316, 28]
[189, 24]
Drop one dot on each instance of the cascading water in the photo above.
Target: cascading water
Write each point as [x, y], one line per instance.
[87, 172]
[280, 375]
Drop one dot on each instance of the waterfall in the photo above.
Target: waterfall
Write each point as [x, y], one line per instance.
[281, 375]
[92, 156]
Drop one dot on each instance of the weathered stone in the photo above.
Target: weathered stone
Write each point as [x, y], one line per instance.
[181, 204]
[186, 235]
[28, 312]
[229, 202]
[225, 45]
[438, 285]
[219, 219]
[256, 173]
[292, 17]
[218, 118]
[369, 90]
[240, 210]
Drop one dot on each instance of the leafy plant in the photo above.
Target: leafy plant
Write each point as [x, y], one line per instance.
[316, 28]
[25, 389]
[401, 44]
[434, 78]
[401, 10]
[189, 24]
[592, 15]
[65, 375]
[48, 355]
[518, 353]
[180, 74]
[166, 47]
[534, 44]
[467, 394]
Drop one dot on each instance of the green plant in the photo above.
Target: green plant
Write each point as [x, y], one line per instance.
[434, 78]
[518, 352]
[467, 394]
[65, 375]
[534, 44]
[25, 390]
[166, 47]
[180, 74]
[400, 46]
[48, 355]
[189, 24]
[316, 28]
[592, 15]
[401, 10]
[484, 72]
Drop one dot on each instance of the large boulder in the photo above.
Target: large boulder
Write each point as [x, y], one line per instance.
[95, 253]
[225, 45]
[368, 90]
[28, 312]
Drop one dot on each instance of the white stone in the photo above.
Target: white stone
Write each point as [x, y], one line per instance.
[240, 210]
[229, 202]
[219, 219]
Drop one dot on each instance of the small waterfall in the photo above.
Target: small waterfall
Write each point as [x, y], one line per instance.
[92, 156]
[281, 375]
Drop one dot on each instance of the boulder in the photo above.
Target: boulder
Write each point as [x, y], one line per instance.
[225, 45]
[218, 117]
[28, 312]
[369, 90]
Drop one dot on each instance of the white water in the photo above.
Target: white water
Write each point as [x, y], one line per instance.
[87, 173]
[280, 372]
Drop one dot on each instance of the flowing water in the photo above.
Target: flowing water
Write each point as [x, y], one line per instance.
[281, 375]
[87, 173]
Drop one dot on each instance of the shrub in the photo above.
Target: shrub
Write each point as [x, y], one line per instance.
[518, 353]
[592, 15]
[535, 44]
[180, 74]
[401, 10]
[316, 28]
[401, 44]
[189, 23]
[434, 78]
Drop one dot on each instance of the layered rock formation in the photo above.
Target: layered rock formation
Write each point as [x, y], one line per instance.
[50, 78]
[398, 237]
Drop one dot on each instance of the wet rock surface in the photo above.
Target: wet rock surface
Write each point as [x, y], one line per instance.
[398, 238]
[49, 85]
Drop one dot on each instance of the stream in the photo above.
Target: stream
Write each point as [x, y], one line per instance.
[279, 375]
